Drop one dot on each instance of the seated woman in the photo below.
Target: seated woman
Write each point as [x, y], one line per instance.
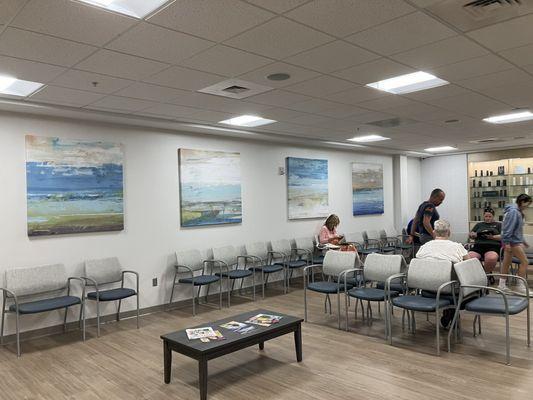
[328, 232]
[442, 248]
[487, 244]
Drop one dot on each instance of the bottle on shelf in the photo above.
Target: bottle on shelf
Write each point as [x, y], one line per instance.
[473, 183]
[481, 173]
[475, 172]
[504, 183]
[514, 180]
[490, 173]
[480, 184]
[521, 180]
[489, 183]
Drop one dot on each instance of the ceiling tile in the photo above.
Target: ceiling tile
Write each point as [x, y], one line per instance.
[297, 74]
[82, 80]
[72, 21]
[516, 95]
[150, 41]
[471, 68]
[211, 116]
[520, 55]
[213, 20]
[226, 61]
[423, 112]
[385, 102]
[508, 77]
[402, 34]
[343, 17]
[65, 96]
[170, 110]
[9, 9]
[343, 111]
[278, 6]
[445, 52]
[216, 103]
[313, 106]
[282, 114]
[514, 33]
[356, 95]
[183, 78]
[278, 98]
[145, 91]
[374, 71]
[321, 86]
[37, 47]
[370, 116]
[471, 104]
[28, 70]
[437, 93]
[312, 119]
[121, 104]
[121, 65]
[332, 57]
[279, 38]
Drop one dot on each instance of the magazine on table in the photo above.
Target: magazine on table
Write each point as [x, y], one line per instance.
[198, 333]
[264, 319]
[237, 327]
[216, 337]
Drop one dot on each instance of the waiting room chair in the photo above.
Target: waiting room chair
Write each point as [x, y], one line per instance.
[473, 282]
[190, 262]
[425, 275]
[393, 238]
[357, 239]
[291, 261]
[230, 260]
[373, 239]
[305, 248]
[106, 272]
[335, 267]
[378, 268]
[261, 261]
[50, 281]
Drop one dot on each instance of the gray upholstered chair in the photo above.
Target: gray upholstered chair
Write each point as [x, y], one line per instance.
[229, 260]
[305, 248]
[373, 241]
[336, 265]
[260, 260]
[378, 268]
[50, 281]
[288, 258]
[358, 240]
[105, 272]
[191, 264]
[392, 238]
[473, 282]
[425, 275]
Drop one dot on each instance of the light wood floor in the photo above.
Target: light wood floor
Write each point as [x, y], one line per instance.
[126, 363]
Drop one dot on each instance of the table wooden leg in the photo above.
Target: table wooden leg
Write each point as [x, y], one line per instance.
[298, 342]
[202, 382]
[261, 345]
[167, 360]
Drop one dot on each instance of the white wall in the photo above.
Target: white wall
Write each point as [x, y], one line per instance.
[152, 232]
[450, 174]
[413, 188]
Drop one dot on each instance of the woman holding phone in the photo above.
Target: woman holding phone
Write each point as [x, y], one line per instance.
[487, 240]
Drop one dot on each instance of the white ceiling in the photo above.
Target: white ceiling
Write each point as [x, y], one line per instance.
[91, 59]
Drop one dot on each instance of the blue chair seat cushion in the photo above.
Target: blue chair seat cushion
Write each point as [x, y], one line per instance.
[327, 287]
[294, 264]
[38, 306]
[200, 280]
[369, 251]
[353, 280]
[432, 294]
[396, 287]
[112, 294]
[267, 269]
[388, 249]
[419, 303]
[494, 304]
[236, 274]
[370, 294]
[318, 259]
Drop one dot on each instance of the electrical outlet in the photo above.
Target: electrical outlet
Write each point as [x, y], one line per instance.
[154, 282]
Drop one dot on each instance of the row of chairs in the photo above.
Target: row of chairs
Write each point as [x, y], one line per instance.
[428, 286]
[41, 289]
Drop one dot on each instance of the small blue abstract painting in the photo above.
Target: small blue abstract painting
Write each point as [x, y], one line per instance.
[367, 188]
[307, 188]
[210, 187]
[73, 186]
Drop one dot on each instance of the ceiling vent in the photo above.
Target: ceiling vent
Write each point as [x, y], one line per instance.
[391, 122]
[235, 89]
[487, 140]
[474, 14]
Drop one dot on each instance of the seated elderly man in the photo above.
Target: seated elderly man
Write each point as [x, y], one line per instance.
[442, 248]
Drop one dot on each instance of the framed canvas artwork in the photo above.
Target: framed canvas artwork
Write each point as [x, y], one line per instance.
[367, 188]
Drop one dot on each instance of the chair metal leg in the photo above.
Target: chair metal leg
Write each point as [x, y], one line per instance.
[263, 283]
[339, 309]
[438, 331]
[305, 302]
[253, 283]
[346, 305]
[118, 309]
[17, 327]
[3, 317]
[479, 323]
[65, 320]
[507, 341]
[528, 328]
[97, 316]
[229, 292]
[82, 317]
[172, 291]
[137, 310]
[193, 301]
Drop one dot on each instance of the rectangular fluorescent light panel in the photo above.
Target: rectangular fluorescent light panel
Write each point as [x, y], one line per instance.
[17, 87]
[368, 138]
[247, 120]
[439, 149]
[133, 8]
[512, 117]
[408, 83]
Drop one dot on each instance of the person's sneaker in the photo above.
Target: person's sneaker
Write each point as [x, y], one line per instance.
[492, 281]
[521, 290]
[446, 319]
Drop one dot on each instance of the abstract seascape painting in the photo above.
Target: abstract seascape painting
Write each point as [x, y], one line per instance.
[307, 188]
[210, 187]
[73, 186]
[367, 187]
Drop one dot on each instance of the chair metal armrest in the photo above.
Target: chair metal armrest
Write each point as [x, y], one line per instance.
[221, 264]
[250, 257]
[129, 271]
[492, 289]
[310, 267]
[305, 251]
[93, 283]
[344, 274]
[283, 255]
[12, 295]
[390, 279]
[376, 242]
[514, 276]
[77, 278]
[441, 287]
[178, 266]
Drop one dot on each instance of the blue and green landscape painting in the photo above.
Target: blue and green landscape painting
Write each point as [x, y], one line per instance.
[73, 186]
[307, 188]
[210, 187]
[367, 187]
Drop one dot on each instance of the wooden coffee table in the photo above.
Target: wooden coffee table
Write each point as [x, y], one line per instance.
[178, 342]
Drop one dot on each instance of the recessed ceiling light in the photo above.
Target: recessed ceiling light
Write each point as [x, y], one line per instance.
[368, 138]
[344, 144]
[440, 148]
[408, 83]
[17, 87]
[133, 8]
[247, 120]
[512, 117]
[281, 76]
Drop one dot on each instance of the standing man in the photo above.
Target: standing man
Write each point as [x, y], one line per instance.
[425, 217]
